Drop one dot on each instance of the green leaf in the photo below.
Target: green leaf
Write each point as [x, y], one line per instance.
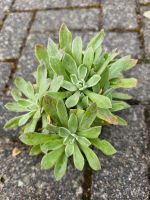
[24, 102]
[91, 157]
[93, 80]
[74, 79]
[49, 105]
[60, 167]
[37, 138]
[56, 83]
[52, 49]
[88, 57]
[69, 86]
[124, 83]
[52, 145]
[49, 160]
[73, 100]
[16, 94]
[41, 54]
[65, 38]
[96, 41]
[82, 72]
[52, 129]
[73, 123]
[78, 158]
[107, 116]
[119, 105]
[100, 100]
[12, 123]
[69, 64]
[15, 107]
[35, 150]
[104, 146]
[24, 118]
[69, 149]
[63, 132]
[83, 141]
[120, 95]
[59, 95]
[77, 49]
[120, 65]
[93, 132]
[62, 113]
[88, 117]
[121, 121]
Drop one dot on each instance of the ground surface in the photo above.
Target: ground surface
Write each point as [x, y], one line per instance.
[125, 176]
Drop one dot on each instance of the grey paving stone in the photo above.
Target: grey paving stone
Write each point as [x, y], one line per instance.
[146, 31]
[4, 8]
[38, 4]
[4, 116]
[12, 34]
[125, 42]
[23, 179]
[5, 71]
[124, 175]
[83, 2]
[119, 14]
[142, 73]
[75, 19]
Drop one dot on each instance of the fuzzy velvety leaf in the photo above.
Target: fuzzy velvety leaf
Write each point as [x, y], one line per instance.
[35, 150]
[96, 41]
[15, 107]
[83, 141]
[93, 80]
[16, 94]
[107, 116]
[52, 129]
[56, 83]
[120, 95]
[12, 123]
[104, 79]
[88, 57]
[91, 157]
[24, 118]
[78, 158]
[74, 79]
[31, 125]
[120, 65]
[69, 149]
[77, 50]
[49, 160]
[121, 121]
[104, 146]
[88, 117]
[69, 86]
[82, 71]
[119, 105]
[63, 132]
[41, 54]
[123, 83]
[60, 167]
[73, 123]
[72, 100]
[93, 132]
[59, 95]
[52, 145]
[65, 38]
[62, 113]
[52, 49]
[37, 138]
[69, 64]
[100, 100]
[85, 102]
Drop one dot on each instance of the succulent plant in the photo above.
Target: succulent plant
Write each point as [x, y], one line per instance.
[74, 95]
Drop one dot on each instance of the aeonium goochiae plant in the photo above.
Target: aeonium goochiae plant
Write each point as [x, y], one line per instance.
[75, 93]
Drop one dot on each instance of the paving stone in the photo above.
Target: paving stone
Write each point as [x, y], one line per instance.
[4, 8]
[38, 4]
[142, 73]
[75, 19]
[144, 1]
[146, 31]
[124, 175]
[125, 42]
[5, 71]
[83, 2]
[23, 179]
[119, 14]
[12, 34]
[4, 116]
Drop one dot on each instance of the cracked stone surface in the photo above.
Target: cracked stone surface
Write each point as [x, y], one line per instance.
[75, 19]
[124, 175]
[12, 35]
[83, 2]
[5, 71]
[23, 179]
[119, 14]
[4, 9]
[38, 4]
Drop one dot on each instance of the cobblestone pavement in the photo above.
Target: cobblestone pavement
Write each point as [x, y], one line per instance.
[125, 176]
